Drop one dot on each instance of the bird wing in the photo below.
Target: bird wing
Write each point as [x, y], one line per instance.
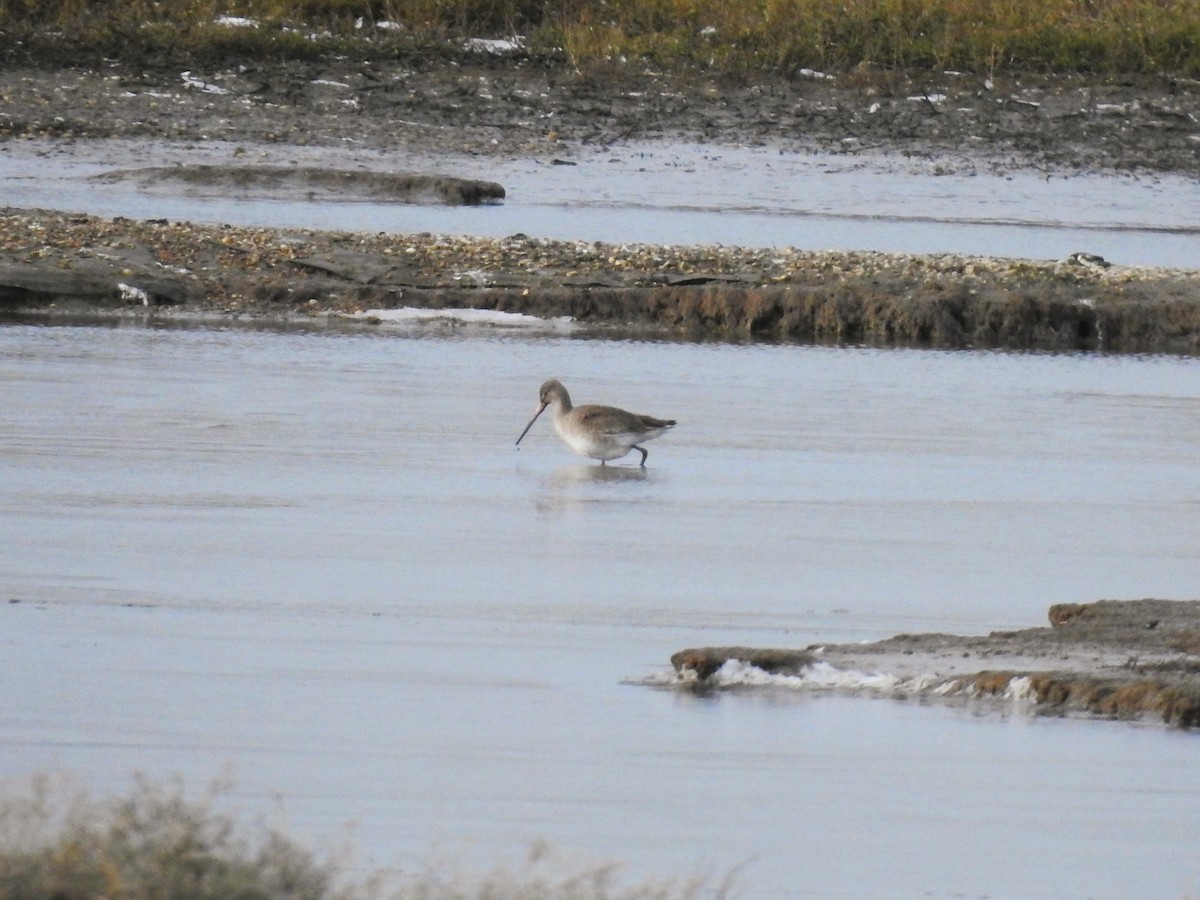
[608, 420]
[651, 422]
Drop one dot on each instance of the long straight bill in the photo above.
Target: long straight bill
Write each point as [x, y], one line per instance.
[541, 409]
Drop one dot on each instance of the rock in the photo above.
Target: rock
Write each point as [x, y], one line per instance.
[1088, 259]
[1115, 619]
[91, 281]
[1062, 613]
[1111, 659]
[704, 661]
[363, 268]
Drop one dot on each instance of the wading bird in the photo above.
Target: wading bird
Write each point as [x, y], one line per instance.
[600, 432]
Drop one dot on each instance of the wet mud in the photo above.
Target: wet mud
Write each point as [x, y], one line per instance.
[61, 264]
[312, 183]
[511, 107]
[1125, 660]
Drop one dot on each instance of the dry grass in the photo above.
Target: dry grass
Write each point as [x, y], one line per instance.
[1094, 36]
[57, 842]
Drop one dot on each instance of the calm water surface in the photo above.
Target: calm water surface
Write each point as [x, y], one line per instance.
[661, 193]
[317, 561]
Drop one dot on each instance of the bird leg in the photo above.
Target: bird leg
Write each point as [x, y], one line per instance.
[644, 455]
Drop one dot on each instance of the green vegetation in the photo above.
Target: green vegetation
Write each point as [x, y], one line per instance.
[56, 842]
[1102, 37]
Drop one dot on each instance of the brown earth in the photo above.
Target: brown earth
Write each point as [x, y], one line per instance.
[314, 183]
[517, 107]
[1111, 659]
[56, 263]
[63, 264]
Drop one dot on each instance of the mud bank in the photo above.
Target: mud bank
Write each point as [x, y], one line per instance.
[1124, 660]
[313, 183]
[513, 106]
[55, 263]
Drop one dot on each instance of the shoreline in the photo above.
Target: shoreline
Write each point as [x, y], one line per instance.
[57, 265]
[494, 107]
[1118, 660]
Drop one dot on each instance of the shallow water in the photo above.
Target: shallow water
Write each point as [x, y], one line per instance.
[663, 193]
[317, 560]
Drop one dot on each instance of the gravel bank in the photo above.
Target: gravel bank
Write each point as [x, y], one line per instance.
[62, 264]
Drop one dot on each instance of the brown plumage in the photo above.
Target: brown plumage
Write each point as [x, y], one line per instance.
[599, 432]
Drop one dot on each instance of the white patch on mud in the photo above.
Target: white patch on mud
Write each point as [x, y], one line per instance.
[458, 318]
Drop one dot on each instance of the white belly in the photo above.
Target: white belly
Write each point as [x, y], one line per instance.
[595, 446]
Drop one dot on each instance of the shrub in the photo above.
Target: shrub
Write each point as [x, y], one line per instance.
[155, 844]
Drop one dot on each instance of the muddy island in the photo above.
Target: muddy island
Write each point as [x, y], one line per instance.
[60, 264]
[1111, 659]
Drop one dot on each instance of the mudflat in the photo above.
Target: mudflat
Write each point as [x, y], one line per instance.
[512, 107]
[54, 263]
[506, 105]
[1136, 659]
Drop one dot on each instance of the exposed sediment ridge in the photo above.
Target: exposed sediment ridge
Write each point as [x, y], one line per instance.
[314, 182]
[59, 263]
[1110, 659]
